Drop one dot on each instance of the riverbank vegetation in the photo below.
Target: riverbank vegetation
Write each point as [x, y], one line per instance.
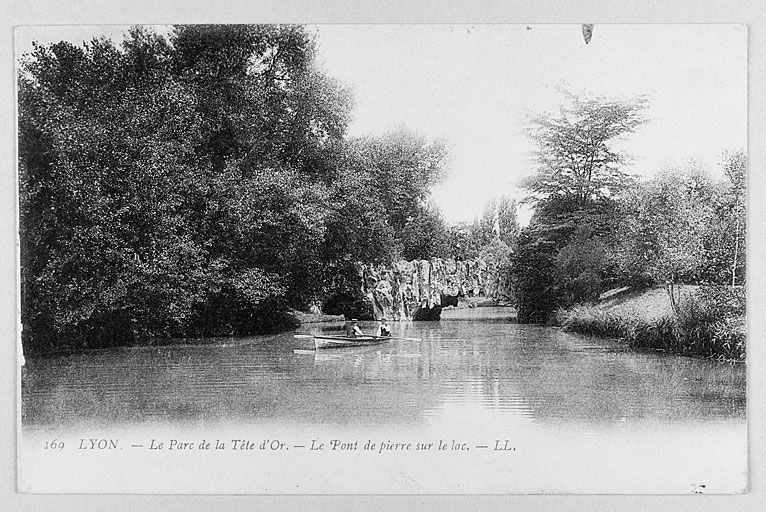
[201, 183]
[594, 228]
[709, 322]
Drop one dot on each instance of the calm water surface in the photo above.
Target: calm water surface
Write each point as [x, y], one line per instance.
[575, 408]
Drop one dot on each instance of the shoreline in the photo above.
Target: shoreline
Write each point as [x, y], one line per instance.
[302, 318]
[704, 325]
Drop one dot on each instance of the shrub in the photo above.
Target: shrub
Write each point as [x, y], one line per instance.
[592, 320]
[713, 324]
[709, 325]
[729, 301]
[730, 335]
[654, 334]
[533, 268]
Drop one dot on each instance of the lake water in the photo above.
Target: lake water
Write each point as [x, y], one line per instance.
[504, 407]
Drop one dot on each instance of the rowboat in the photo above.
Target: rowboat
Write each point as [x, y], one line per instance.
[337, 341]
[329, 341]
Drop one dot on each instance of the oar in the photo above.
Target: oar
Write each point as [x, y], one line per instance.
[299, 351]
[306, 336]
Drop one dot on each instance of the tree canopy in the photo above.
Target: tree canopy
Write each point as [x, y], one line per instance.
[684, 227]
[198, 183]
[576, 161]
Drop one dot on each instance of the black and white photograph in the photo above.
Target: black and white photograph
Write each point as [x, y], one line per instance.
[333, 259]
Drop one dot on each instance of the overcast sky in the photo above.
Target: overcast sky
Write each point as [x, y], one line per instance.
[473, 86]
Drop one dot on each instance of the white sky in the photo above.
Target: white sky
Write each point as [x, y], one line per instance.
[473, 84]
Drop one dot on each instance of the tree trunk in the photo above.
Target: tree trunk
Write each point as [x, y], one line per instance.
[736, 248]
[671, 290]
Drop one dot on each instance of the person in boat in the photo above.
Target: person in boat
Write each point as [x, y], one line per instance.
[383, 328]
[353, 330]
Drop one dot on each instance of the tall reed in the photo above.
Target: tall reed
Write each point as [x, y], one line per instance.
[702, 327]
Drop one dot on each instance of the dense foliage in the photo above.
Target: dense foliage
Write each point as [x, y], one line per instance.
[199, 183]
[595, 228]
[498, 222]
[709, 323]
[683, 227]
[576, 160]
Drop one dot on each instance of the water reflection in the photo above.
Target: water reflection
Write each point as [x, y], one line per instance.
[463, 368]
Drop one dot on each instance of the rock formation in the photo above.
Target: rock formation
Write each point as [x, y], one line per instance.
[417, 290]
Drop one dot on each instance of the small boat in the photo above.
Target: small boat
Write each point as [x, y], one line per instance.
[329, 341]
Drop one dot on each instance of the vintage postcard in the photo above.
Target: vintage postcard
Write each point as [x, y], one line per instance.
[382, 259]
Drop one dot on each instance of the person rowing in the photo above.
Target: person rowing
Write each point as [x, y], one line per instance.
[383, 329]
[353, 330]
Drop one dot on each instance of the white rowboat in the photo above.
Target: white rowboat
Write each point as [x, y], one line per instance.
[329, 341]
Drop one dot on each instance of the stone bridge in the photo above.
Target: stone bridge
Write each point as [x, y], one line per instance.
[419, 289]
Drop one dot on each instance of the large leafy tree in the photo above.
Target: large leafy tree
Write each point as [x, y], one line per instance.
[262, 97]
[170, 181]
[577, 163]
[683, 227]
[106, 146]
[663, 228]
[271, 139]
[507, 220]
[197, 183]
[379, 210]
[533, 266]
[578, 177]
[403, 166]
[424, 236]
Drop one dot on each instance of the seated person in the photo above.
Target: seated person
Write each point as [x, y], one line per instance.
[383, 328]
[353, 330]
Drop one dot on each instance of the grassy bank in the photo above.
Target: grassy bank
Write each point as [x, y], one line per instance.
[709, 322]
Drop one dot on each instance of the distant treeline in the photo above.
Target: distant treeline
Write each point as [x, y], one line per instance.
[201, 183]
